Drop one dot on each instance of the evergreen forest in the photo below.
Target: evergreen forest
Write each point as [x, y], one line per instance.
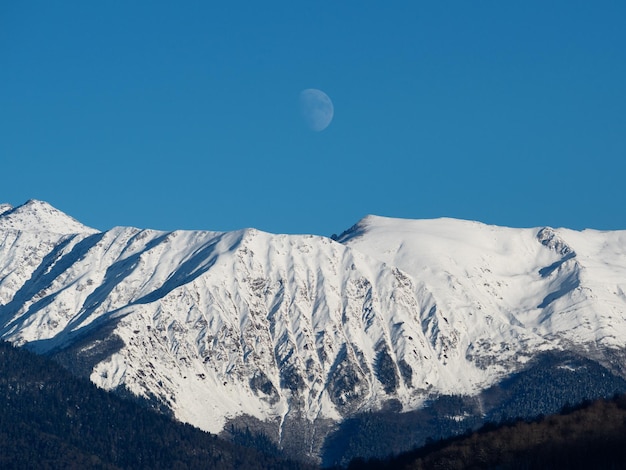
[50, 419]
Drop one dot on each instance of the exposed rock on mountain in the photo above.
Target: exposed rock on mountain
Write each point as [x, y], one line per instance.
[302, 332]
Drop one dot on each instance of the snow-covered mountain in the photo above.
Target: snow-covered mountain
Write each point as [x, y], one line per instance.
[300, 332]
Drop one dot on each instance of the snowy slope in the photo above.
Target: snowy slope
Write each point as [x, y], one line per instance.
[303, 329]
[569, 286]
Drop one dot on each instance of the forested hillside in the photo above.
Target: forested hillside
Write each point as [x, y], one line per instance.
[50, 419]
[590, 436]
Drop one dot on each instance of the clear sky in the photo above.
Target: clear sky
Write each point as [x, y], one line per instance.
[184, 115]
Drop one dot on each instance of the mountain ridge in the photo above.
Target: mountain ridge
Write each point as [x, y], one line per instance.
[303, 331]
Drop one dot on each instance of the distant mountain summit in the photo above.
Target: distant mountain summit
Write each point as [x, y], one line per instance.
[301, 337]
[40, 216]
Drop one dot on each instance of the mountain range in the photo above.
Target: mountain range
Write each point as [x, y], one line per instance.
[305, 339]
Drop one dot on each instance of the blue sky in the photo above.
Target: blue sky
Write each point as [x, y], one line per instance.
[184, 115]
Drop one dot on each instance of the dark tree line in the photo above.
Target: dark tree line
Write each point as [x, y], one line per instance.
[550, 381]
[49, 419]
[591, 435]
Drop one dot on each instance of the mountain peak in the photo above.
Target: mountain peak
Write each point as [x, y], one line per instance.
[357, 229]
[40, 216]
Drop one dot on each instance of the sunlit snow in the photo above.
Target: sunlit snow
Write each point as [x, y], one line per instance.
[217, 325]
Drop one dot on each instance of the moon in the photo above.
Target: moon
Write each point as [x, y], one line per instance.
[316, 109]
